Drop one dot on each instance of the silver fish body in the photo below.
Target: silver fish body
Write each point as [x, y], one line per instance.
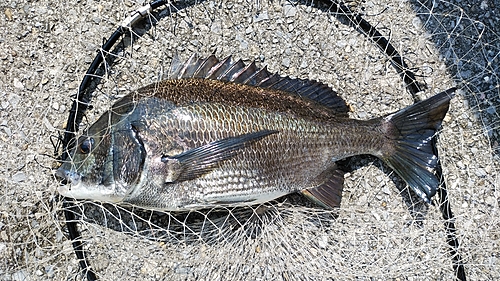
[200, 142]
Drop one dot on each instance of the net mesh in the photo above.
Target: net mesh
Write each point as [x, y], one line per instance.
[381, 231]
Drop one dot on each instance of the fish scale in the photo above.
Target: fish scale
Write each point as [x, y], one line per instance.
[206, 139]
[291, 160]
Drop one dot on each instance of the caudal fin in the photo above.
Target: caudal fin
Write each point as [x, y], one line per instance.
[412, 153]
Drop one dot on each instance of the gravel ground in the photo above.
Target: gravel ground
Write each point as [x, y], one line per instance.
[46, 47]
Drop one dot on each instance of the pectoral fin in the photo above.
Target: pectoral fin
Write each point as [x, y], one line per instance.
[329, 193]
[201, 160]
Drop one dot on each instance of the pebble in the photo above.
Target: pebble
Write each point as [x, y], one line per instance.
[286, 62]
[480, 172]
[8, 14]
[289, 10]
[49, 270]
[323, 241]
[261, 17]
[491, 110]
[14, 99]
[47, 124]
[19, 177]
[249, 30]
[304, 64]
[20, 275]
[216, 27]
[376, 215]
[7, 131]
[386, 190]
[18, 84]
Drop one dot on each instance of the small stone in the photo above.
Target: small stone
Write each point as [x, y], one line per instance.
[258, 249]
[49, 270]
[323, 241]
[484, 5]
[490, 200]
[14, 100]
[19, 177]
[285, 62]
[386, 190]
[262, 16]
[47, 124]
[243, 44]
[289, 10]
[417, 23]
[20, 275]
[30, 86]
[8, 14]
[18, 84]
[480, 172]
[216, 27]
[73, 85]
[59, 236]
[491, 110]
[7, 131]
[447, 118]
[195, 42]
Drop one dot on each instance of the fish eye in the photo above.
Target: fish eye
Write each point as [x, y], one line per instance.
[86, 145]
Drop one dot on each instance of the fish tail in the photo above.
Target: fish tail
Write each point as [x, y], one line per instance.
[412, 153]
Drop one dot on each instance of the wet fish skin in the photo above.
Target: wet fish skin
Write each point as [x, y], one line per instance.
[198, 143]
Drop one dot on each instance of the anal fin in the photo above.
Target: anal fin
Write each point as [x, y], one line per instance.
[329, 193]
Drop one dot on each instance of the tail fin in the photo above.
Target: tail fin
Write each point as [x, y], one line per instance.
[412, 155]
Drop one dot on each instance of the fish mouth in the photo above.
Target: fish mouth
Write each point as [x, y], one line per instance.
[73, 186]
[66, 176]
[69, 180]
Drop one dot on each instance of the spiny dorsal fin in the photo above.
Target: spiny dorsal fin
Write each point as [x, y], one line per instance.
[239, 72]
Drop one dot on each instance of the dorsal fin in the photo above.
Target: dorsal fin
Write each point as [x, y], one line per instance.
[238, 72]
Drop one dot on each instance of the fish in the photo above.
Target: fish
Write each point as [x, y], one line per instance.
[224, 133]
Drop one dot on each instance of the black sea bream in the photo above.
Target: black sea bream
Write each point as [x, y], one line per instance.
[220, 133]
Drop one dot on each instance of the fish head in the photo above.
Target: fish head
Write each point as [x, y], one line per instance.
[104, 163]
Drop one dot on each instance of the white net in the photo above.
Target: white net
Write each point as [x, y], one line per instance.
[380, 232]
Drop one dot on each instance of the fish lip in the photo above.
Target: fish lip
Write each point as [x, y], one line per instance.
[76, 188]
[69, 176]
[69, 180]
